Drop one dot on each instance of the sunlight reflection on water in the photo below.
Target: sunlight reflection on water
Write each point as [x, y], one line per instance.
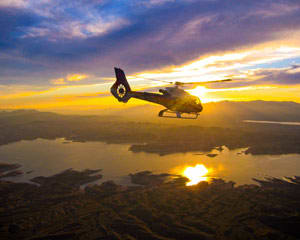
[48, 157]
[195, 174]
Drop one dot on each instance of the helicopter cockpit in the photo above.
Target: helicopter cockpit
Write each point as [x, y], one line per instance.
[197, 100]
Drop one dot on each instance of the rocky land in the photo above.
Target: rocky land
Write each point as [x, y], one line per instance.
[160, 207]
[9, 170]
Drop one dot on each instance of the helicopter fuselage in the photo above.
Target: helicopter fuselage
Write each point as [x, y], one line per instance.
[173, 98]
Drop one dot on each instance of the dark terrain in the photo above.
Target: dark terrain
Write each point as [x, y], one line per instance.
[161, 208]
[9, 170]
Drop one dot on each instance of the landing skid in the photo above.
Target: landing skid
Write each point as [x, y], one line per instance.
[163, 113]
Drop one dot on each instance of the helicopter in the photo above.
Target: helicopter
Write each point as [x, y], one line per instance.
[175, 100]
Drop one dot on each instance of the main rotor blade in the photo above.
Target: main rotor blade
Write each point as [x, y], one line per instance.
[185, 83]
[156, 80]
[200, 83]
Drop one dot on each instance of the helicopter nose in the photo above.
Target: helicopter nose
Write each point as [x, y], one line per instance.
[200, 107]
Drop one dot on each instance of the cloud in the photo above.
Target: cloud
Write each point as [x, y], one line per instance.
[49, 39]
[275, 9]
[58, 81]
[243, 66]
[278, 76]
[76, 77]
[74, 29]
[151, 3]
[12, 3]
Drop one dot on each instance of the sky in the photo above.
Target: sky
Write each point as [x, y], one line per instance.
[57, 54]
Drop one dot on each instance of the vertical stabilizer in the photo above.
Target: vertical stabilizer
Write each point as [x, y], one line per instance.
[121, 89]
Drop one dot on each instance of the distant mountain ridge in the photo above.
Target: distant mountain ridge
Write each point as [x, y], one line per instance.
[214, 113]
[224, 112]
[220, 124]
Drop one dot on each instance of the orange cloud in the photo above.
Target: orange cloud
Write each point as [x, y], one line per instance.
[223, 65]
[59, 81]
[76, 77]
[69, 78]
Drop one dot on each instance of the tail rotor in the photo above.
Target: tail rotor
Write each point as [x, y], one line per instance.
[121, 89]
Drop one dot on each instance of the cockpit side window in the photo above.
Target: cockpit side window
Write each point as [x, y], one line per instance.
[197, 100]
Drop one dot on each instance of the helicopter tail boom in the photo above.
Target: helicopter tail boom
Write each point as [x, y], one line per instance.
[121, 89]
[151, 97]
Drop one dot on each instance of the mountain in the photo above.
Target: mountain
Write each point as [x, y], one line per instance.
[220, 124]
[225, 113]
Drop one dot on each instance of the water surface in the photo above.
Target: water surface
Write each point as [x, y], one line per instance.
[273, 122]
[48, 157]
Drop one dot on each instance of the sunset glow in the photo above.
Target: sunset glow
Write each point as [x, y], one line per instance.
[73, 60]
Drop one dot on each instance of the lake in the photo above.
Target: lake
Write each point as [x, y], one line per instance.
[48, 157]
[273, 122]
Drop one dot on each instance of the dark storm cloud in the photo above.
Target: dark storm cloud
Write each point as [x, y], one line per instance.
[285, 76]
[60, 37]
[12, 24]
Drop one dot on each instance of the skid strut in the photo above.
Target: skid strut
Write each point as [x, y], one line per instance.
[165, 113]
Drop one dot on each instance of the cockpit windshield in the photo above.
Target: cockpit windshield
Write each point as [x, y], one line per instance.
[197, 100]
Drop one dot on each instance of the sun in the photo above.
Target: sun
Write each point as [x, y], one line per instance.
[198, 91]
[195, 174]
